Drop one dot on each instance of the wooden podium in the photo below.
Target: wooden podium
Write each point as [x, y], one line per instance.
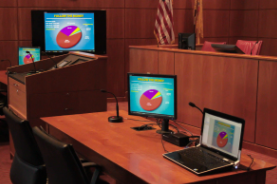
[67, 90]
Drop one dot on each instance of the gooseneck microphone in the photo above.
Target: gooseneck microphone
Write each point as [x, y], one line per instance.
[193, 105]
[28, 52]
[56, 66]
[117, 118]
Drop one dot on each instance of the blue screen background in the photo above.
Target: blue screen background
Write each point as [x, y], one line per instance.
[22, 53]
[54, 24]
[166, 88]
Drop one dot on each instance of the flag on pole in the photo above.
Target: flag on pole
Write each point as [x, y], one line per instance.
[164, 23]
[198, 20]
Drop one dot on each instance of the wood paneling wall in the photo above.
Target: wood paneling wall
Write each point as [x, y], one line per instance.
[131, 22]
[255, 20]
[231, 20]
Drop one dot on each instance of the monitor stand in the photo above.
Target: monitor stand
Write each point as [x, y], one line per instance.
[165, 125]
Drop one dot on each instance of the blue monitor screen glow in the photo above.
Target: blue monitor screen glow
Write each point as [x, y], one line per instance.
[152, 95]
[69, 32]
[26, 58]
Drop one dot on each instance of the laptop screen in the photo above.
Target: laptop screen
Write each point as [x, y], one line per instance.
[222, 134]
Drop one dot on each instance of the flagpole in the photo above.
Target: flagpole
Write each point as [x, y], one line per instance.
[157, 39]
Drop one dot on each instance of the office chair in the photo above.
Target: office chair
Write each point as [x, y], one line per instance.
[3, 101]
[62, 163]
[28, 165]
[250, 47]
[208, 46]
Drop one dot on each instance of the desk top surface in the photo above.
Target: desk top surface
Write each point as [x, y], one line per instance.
[139, 153]
[175, 49]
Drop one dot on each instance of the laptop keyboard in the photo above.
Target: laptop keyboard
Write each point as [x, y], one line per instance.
[199, 155]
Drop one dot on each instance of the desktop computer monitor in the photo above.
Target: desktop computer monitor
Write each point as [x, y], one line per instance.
[153, 95]
[186, 41]
[27, 55]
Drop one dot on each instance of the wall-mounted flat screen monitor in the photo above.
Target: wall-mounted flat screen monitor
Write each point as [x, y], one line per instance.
[27, 55]
[63, 31]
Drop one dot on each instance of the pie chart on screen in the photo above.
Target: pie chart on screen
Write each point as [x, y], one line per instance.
[69, 36]
[150, 100]
[222, 139]
[28, 59]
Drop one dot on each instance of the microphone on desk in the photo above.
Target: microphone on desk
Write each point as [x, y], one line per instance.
[117, 118]
[55, 63]
[28, 52]
[193, 105]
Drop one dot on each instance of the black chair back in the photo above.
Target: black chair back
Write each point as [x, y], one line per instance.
[25, 144]
[3, 102]
[28, 165]
[23, 173]
[62, 163]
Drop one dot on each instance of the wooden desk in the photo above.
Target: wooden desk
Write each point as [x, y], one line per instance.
[237, 84]
[65, 90]
[136, 157]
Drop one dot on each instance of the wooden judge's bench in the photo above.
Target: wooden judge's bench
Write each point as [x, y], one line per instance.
[71, 89]
[237, 84]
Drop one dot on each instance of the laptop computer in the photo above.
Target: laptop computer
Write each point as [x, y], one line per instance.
[219, 147]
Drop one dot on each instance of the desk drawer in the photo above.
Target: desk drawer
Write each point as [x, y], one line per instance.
[17, 85]
[17, 100]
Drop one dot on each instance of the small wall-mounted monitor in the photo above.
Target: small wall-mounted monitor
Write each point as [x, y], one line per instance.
[186, 41]
[62, 31]
[153, 95]
[27, 55]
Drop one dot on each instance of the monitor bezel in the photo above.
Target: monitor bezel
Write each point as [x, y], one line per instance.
[153, 75]
[227, 117]
[38, 30]
[31, 47]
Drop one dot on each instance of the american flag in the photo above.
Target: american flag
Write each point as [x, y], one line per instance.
[164, 23]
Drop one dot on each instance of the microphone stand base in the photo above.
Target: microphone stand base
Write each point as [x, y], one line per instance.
[115, 119]
[164, 132]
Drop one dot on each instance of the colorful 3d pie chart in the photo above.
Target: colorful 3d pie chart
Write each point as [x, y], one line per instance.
[222, 139]
[69, 36]
[28, 59]
[151, 100]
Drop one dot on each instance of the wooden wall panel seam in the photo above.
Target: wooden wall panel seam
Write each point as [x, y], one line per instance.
[257, 96]
[258, 25]
[126, 6]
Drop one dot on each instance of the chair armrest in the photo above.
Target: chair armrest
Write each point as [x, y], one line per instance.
[90, 164]
[96, 172]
